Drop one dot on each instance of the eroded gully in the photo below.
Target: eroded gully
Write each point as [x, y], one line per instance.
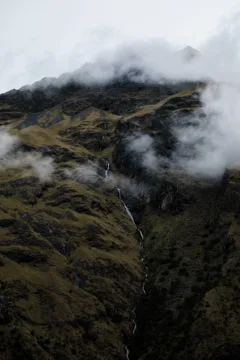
[127, 351]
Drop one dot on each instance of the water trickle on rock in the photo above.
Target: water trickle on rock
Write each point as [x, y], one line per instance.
[127, 352]
[107, 168]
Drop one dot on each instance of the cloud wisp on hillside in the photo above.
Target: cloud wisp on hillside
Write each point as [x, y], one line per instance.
[207, 143]
[214, 143]
[91, 174]
[13, 158]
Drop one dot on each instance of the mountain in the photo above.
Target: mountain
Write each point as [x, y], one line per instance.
[189, 53]
[126, 66]
[79, 278]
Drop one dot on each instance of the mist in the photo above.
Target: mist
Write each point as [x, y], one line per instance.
[86, 174]
[91, 174]
[142, 146]
[11, 157]
[207, 141]
[113, 38]
[157, 61]
[210, 144]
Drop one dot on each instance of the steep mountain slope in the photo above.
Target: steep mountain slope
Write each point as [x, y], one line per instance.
[71, 269]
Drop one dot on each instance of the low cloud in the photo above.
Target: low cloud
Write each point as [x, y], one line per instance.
[207, 141]
[86, 174]
[127, 185]
[11, 158]
[7, 143]
[142, 146]
[157, 61]
[93, 174]
[211, 143]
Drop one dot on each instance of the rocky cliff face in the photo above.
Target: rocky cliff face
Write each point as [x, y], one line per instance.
[70, 255]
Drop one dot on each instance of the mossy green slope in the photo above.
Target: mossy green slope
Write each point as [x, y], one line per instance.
[70, 255]
[69, 270]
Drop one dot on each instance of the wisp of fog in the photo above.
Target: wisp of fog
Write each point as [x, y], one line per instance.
[91, 174]
[12, 157]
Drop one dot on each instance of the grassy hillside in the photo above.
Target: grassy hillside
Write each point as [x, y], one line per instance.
[70, 255]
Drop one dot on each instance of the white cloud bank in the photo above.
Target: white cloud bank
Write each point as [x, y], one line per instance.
[51, 37]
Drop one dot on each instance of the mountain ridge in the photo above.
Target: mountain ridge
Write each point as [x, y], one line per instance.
[70, 256]
[122, 70]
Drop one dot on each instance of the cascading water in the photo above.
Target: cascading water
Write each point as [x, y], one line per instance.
[141, 235]
[127, 352]
[107, 168]
[125, 206]
[134, 321]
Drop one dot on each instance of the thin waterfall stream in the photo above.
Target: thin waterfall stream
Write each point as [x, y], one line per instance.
[127, 352]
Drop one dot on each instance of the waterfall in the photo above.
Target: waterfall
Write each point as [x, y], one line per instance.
[107, 168]
[125, 206]
[127, 352]
[134, 321]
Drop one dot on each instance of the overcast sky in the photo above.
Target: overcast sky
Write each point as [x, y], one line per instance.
[48, 37]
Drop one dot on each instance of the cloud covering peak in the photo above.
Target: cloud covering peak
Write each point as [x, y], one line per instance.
[75, 35]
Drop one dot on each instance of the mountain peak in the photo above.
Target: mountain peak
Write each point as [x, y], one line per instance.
[189, 53]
